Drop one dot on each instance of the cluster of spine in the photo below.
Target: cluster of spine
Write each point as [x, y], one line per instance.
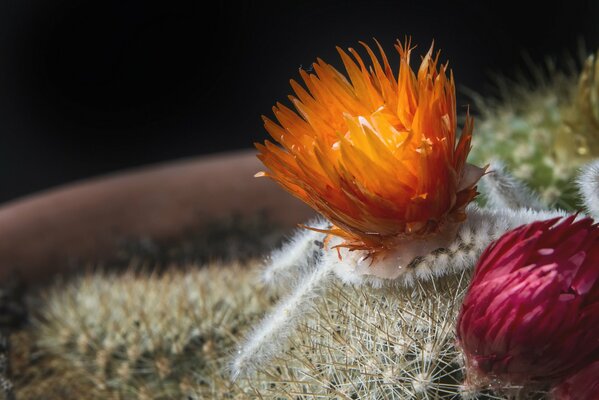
[482, 227]
[171, 336]
[543, 133]
[40, 374]
[365, 343]
[136, 336]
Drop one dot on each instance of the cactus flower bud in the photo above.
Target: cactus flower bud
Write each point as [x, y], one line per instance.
[531, 314]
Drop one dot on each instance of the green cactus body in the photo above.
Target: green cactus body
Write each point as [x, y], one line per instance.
[543, 135]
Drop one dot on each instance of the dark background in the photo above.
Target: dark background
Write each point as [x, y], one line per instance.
[90, 87]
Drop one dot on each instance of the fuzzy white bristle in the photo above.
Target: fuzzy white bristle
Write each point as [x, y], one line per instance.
[296, 257]
[482, 226]
[269, 336]
[501, 190]
[588, 186]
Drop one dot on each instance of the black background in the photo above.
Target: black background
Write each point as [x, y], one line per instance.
[89, 87]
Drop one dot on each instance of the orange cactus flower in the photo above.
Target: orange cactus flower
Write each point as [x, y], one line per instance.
[375, 154]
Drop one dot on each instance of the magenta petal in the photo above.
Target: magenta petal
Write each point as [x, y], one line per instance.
[588, 274]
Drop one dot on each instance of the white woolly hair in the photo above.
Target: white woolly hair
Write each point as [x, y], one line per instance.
[588, 186]
[501, 190]
[268, 338]
[296, 257]
[482, 226]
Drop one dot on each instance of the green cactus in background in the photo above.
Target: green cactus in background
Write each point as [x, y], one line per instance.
[543, 134]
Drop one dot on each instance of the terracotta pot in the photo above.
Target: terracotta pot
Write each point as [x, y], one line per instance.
[64, 227]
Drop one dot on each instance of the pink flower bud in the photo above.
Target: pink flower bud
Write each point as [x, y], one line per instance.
[531, 314]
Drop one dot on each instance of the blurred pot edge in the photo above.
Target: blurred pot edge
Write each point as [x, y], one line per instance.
[58, 229]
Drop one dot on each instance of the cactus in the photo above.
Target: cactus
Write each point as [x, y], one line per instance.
[588, 185]
[227, 239]
[336, 332]
[6, 385]
[139, 335]
[272, 333]
[12, 317]
[365, 343]
[39, 374]
[171, 334]
[157, 336]
[177, 330]
[543, 133]
[502, 191]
